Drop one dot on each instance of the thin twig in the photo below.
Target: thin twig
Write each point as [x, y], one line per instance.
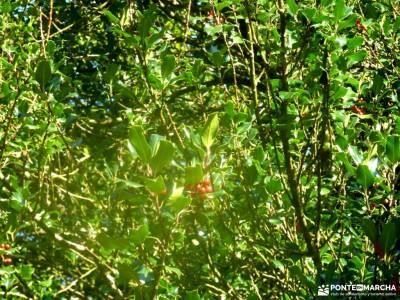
[50, 19]
[73, 283]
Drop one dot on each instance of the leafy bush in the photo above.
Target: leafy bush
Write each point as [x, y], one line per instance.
[198, 149]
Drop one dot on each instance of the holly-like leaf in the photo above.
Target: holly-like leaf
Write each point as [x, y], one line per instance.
[292, 7]
[140, 234]
[210, 130]
[393, 148]
[193, 174]
[156, 186]
[163, 156]
[388, 237]
[139, 142]
[369, 229]
[364, 176]
[167, 65]
[43, 73]
[340, 9]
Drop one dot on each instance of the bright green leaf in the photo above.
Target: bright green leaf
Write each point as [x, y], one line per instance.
[156, 186]
[364, 176]
[393, 148]
[111, 17]
[139, 142]
[193, 174]
[340, 9]
[163, 156]
[210, 131]
[179, 203]
[192, 295]
[292, 7]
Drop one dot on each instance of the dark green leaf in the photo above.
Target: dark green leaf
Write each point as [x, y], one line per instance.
[43, 73]
[369, 229]
[167, 65]
[388, 237]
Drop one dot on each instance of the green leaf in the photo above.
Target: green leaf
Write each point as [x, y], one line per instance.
[192, 295]
[292, 7]
[179, 203]
[26, 272]
[111, 70]
[156, 186]
[354, 42]
[369, 229]
[43, 73]
[279, 265]
[364, 176]
[307, 281]
[356, 57]
[163, 156]
[167, 65]
[210, 131]
[388, 237]
[145, 23]
[111, 17]
[193, 174]
[355, 154]
[272, 185]
[140, 234]
[393, 148]
[126, 273]
[51, 47]
[139, 142]
[110, 243]
[340, 9]
[173, 270]
[275, 221]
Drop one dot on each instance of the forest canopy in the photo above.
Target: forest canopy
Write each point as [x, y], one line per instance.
[209, 149]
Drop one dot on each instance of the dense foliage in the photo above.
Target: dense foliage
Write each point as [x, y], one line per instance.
[204, 149]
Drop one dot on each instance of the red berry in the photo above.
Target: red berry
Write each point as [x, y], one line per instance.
[207, 181]
[202, 190]
[378, 249]
[2, 246]
[209, 189]
[6, 247]
[358, 110]
[7, 261]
